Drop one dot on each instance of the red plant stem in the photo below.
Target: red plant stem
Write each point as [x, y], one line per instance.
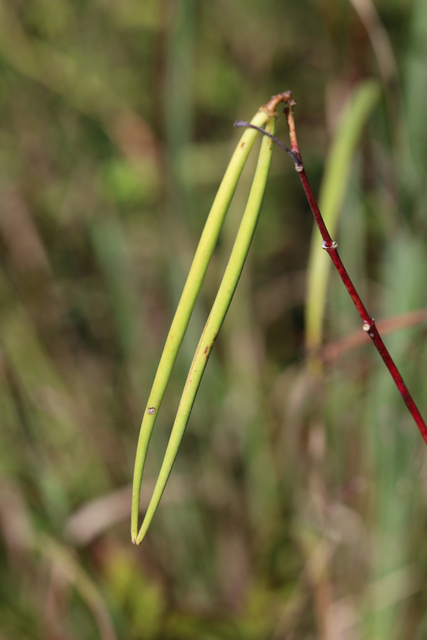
[331, 248]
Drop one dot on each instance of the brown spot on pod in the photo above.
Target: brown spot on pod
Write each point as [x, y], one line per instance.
[151, 410]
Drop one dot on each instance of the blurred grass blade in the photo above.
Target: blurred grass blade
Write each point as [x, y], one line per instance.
[64, 562]
[415, 96]
[331, 199]
[214, 322]
[188, 299]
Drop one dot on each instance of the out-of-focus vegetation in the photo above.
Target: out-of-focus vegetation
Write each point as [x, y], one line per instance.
[297, 505]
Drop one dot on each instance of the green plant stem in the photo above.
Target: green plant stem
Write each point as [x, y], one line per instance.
[186, 304]
[213, 324]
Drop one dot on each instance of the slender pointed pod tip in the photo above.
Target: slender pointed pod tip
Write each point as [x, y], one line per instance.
[134, 531]
[141, 536]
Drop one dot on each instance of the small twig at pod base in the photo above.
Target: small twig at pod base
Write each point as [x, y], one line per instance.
[331, 247]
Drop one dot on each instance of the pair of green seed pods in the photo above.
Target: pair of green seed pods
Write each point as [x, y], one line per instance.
[265, 118]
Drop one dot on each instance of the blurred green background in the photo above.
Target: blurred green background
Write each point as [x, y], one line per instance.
[297, 506]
